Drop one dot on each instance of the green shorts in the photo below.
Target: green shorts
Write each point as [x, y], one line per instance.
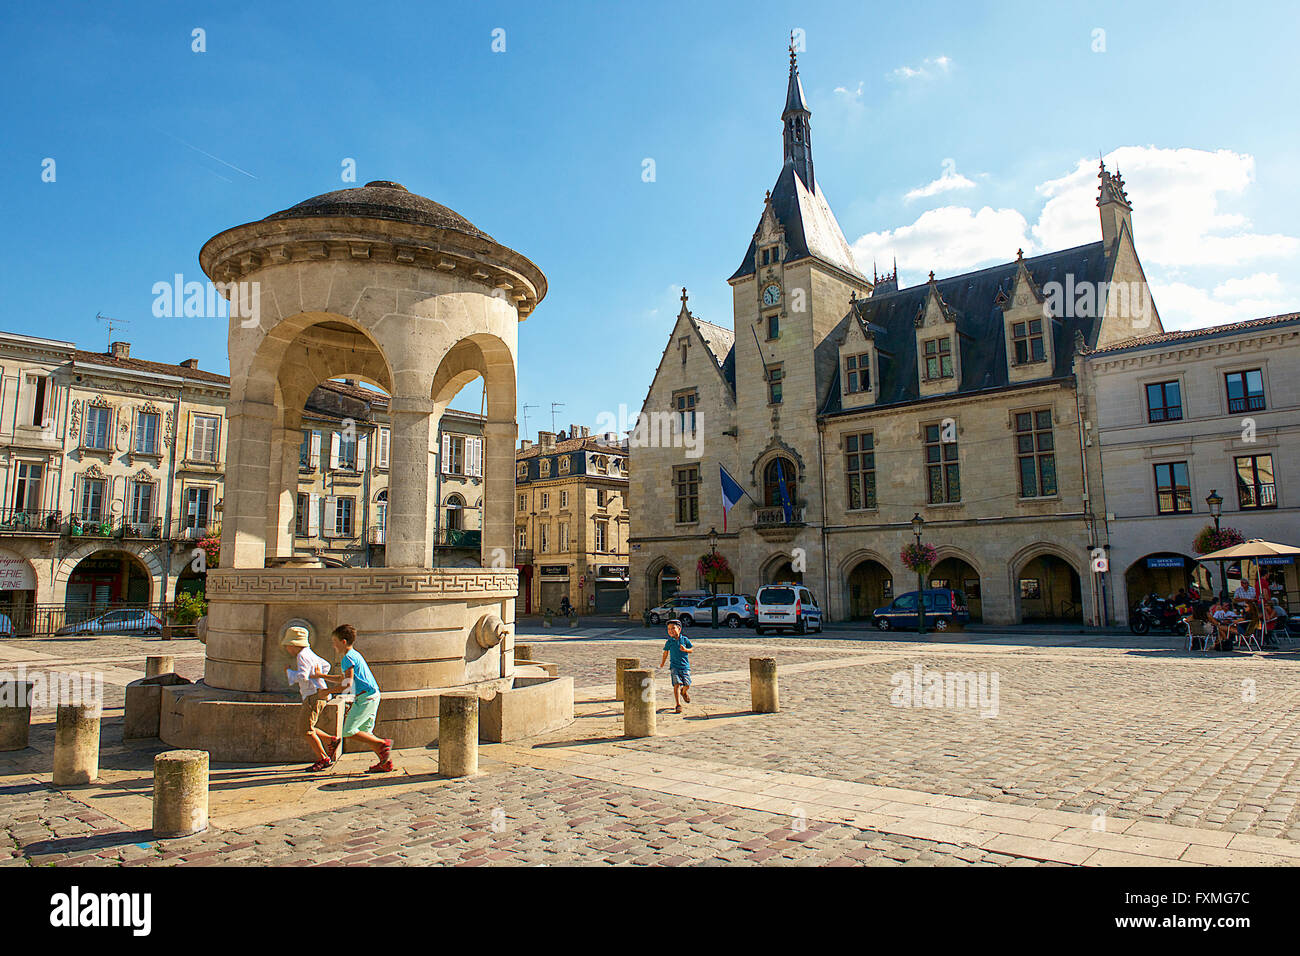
[360, 717]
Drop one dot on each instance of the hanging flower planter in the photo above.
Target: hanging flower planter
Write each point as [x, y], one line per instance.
[1208, 539]
[712, 567]
[920, 558]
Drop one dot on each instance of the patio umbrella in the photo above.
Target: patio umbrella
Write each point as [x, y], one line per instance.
[1254, 548]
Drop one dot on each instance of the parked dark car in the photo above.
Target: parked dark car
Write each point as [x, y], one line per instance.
[125, 621]
[944, 608]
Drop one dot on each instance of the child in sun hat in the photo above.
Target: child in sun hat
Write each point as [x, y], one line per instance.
[360, 718]
[307, 675]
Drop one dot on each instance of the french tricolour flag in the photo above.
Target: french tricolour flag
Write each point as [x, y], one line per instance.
[731, 494]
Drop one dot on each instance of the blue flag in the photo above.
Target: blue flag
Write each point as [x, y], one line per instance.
[731, 494]
[785, 492]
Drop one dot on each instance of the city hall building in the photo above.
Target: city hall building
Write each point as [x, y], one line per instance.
[845, 405]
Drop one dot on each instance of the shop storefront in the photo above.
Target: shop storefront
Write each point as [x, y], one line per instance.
[611, 589]
[555, 586]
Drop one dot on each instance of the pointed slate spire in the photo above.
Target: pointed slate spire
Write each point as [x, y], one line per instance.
[797, 137]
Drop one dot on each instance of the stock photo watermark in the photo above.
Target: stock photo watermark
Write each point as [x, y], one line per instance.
[935, 689]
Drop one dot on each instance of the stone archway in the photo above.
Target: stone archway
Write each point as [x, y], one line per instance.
[1048, 588]
[780, 569]
[868, 584]
[99, 577]
[958, 570]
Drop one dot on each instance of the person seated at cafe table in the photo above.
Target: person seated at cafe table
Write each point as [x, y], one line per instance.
[1223, 619]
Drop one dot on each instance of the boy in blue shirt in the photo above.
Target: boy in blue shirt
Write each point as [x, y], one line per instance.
[360, 718]
[678, 648]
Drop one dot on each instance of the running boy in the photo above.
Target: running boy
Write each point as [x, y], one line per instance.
[360, 718]
[678, 648]
[307, 674]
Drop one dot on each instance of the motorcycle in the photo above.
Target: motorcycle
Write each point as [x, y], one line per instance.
[1154, 611]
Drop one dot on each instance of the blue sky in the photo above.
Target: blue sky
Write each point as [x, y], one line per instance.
[989, 115]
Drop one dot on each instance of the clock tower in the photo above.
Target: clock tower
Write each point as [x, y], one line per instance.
[791, 291]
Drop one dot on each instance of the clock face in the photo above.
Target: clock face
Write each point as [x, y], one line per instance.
[772, 295]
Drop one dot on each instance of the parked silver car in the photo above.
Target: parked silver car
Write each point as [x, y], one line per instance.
[734, 610]
[674, 607]
[125, 621]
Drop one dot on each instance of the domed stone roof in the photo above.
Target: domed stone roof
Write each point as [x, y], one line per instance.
[382, 199]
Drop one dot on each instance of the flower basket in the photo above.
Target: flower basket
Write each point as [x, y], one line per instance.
[211, 547]
[1208, 539]
[920, 558]
[712, 567]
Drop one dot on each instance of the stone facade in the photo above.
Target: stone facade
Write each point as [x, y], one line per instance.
[844, 405]
[571, 522]
[1164, 412]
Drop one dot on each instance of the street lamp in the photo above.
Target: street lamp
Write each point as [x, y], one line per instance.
[713, 551]
[918, 525]
[1215, 503]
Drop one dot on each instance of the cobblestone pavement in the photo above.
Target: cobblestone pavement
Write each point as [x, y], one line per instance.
[1181, 750]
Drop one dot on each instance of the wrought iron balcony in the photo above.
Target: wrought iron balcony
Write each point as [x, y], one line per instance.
[458, 538]
[24, 521]
[775, 517]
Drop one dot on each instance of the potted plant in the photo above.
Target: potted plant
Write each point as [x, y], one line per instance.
[920, 558]
[1211, 538]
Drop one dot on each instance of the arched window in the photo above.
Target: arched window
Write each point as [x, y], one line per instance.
[455, 513]
[772, 475]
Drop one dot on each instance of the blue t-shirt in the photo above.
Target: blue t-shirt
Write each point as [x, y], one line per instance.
[363, 682]
[678, 659]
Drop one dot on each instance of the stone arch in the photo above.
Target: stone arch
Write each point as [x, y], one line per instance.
[147, 560]
[773, 565]
[1059, 596]
[291, 344]
[654, 588]
[862, 588]
[950, 560]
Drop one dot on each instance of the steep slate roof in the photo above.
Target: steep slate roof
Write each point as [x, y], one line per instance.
[972, 300]
[810, 227]
[586, 443]
[1189, 335]
[721, 344]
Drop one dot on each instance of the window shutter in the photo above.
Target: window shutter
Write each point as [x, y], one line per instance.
[362, 444]
[313, 513]
[478, 457]
[382, 454]
[335, 441]
[313, 457]
[446, 454]
[331, 515]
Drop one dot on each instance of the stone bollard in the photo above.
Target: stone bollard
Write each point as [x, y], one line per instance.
[180, 793]
[156, 664]
[638, 702]
[762, 685]
[621, 666]
[524, 652]
[15, 713]
[76, 744]
[458, 735]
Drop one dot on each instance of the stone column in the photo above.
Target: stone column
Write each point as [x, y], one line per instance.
[180, 793]
[76, 744]
[15, 714]
[638, 702]
[409, 539]
[248, 477]
[499, 494]
[458, 735]
[159, 664]
[282, 498]
[762, 685]
[621, 666]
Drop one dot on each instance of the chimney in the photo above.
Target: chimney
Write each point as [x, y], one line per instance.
[190, 363]
[525, 444]
[120, 350]
[574, 431]
[586, 432]
[611, 438]
[546, 439]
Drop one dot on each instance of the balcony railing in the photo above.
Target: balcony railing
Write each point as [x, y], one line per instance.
[775, 517]
[111, 526]
[184, 529]
[376, 535]
[24, 521]
[458, 538]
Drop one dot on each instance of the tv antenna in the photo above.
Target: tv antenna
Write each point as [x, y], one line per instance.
[527, 433]
[113, 325]
[554, 406]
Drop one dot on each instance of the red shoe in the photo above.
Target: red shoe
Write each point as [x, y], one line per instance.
[334, 748]
[386, 752]
[320, 765]
[384, 766]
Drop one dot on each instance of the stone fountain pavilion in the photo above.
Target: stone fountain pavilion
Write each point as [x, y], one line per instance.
[383, 286]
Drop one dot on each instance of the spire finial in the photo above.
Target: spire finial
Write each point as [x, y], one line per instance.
[794, 66]
[931, 275]
[1020, 255]
[684, 297]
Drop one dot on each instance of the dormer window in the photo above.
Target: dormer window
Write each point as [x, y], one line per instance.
[938, 358]
[1027, 341]
[857, 373]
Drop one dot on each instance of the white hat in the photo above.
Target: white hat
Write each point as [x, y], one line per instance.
[295, 637]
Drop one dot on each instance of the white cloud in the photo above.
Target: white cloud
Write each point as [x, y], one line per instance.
[948, 180]
[1180, 228]
[930, 66]
[853, 94]
[949, 240]
[1177, 221]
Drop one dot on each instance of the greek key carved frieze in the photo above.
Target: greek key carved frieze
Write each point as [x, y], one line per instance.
[395, 583]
